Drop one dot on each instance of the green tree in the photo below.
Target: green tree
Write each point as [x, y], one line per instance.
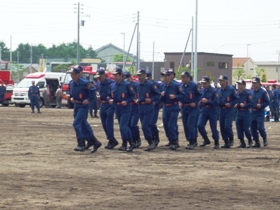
[17, 72]
[61, 68]
[264, 77]
[239, 73]
[131, 69]
[5, 52]
[209, 74]
[119, 58]
[260, 72]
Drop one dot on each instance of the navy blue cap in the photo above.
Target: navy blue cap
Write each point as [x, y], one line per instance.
[167, 72]
[99, 72]
[126, 74]
[223, 77]
[75, 70]
[141, 71]
[149, 74]
[205, 79]
[186, 73]
[241, 82]
[117, 71]
[256, 79]
[79, 67]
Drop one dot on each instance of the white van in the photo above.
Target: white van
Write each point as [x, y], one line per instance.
[42, 79]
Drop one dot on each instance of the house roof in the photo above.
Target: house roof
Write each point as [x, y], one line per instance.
[113, 46]
[267, 63]
[239, 61]
[197, 53]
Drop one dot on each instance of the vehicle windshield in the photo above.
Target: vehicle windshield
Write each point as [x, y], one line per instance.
[25, 83]
[85, 75]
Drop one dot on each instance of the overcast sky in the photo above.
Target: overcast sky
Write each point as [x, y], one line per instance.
[224, 26]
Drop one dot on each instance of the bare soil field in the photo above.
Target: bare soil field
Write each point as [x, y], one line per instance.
[40, 170]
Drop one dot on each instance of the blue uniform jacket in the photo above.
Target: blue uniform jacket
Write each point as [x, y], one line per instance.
[122, 91]
[192, 95]
[228, 95]
[104, 89]
[173, 88]
[260, 96]
[274, 97]
[211, 95]
[33, 91]
[81, 90]
[246, 98]
[147, 90]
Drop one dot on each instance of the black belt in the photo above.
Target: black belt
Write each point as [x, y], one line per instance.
[171, 104]
[78, 102]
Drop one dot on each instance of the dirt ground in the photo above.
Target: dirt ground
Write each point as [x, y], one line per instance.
[40, 170]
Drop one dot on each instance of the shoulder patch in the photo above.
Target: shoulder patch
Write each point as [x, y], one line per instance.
[250, 97]
[131, 88]
[180, 88]
[217, 95]
[155, 87]
[89, 86]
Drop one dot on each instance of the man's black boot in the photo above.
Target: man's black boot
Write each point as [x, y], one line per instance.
[91, 142]
[216, 145]
[231, 141]
[132, 145]
[112, 144]
[173, 145]
[151, 145]
[257, 144]
[138, 142]
[95, 114]
[191, 145]
[205, 142]
[124, 146]
[242, 144]
[81, 145]
[265, 143]
[226, 145]
[250, 143]
[96, 144]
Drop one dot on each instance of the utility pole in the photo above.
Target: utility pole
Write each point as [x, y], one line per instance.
[195, 47]
[153, 65]
[0, 54]
[192, 55]
[138, 40]
[17, 56]
[78, 41]
[123, 50]
[247, 63]
[30, 67]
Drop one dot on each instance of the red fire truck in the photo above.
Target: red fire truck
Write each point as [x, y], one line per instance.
[88, 73]
[5, 76]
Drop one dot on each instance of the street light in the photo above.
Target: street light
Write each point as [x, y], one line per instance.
[123, 49]
[247, 60]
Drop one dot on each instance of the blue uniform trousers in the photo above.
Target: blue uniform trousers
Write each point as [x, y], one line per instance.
[257, 124]
[154, 128]
[275, 111]
[133, 123]
[211, 115]
[34, 102]
[145, 114]
[82, 127]
[107, 120]
[123, 115]
[170, 118]
[226, 118]
[243, 123]
[189, 119]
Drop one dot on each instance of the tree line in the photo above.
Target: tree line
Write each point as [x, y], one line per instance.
[22, 53]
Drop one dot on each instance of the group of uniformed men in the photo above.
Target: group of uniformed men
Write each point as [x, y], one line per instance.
[198, 103]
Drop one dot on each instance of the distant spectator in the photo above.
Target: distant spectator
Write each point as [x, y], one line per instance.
[58, 95]
[2, 92]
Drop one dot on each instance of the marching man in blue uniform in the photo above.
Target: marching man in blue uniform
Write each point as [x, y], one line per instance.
[243, 120]
[147, 95]
[81, 92]
[34, 95]
[227, 99]
[121, 96]
[157, 106]
[208, 103]
[171, 94]
[134, 116]
[106, 110]
[274, 103]
[190, 108]
[260, 101]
